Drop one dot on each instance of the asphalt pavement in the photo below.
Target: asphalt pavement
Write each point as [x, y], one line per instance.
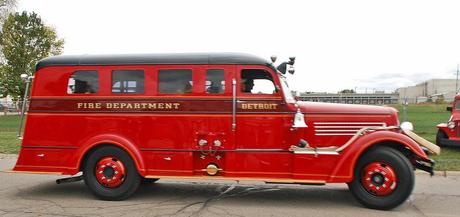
[39, 195]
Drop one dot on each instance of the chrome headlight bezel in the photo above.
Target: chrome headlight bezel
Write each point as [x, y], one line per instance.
[451, 124]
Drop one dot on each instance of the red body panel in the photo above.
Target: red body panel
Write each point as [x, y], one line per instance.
[161, 132]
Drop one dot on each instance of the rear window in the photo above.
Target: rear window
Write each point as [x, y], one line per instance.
[175, 81]
[83, 82]
[128, 81]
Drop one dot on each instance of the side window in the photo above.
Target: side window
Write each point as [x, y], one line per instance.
[85, 82]
[128, 81]
[215, 81]
[257, 81]
[177, 81]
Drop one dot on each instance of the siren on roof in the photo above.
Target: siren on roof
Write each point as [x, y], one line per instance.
[287, 66]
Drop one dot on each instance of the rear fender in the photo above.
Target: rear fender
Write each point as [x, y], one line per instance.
[343, 172]
[116, 140]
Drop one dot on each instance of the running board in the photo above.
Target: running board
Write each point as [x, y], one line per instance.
[69, 179]
[220, 178]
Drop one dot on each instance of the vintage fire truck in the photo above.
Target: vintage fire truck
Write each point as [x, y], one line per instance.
[124, 119]
[449, 133]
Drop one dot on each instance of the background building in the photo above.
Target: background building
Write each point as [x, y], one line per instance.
[431, 90]
[378, 98]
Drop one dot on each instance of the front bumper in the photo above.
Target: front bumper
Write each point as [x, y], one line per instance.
[425, 165]
[432, 148]
[448, 142]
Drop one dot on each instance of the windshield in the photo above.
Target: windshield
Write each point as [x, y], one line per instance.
[287, 92]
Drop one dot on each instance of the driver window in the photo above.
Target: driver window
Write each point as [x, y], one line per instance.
[257, 81]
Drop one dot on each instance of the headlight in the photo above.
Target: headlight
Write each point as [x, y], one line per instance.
[451, 125]
[407, 126]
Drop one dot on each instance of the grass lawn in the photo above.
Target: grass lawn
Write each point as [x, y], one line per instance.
[8, 131]
[424, 117]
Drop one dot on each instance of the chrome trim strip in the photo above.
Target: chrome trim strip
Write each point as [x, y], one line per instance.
[334, 134]
[342, 127]
[353, 131]
[259, 150]
[316, 152]
[233, 104]
[349, 123]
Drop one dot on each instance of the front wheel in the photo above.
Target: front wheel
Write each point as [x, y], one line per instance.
[110, 173]
[440, 136]
[383, 179]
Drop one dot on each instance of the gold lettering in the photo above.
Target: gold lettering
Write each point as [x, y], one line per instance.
[160, 105]
[176, 105]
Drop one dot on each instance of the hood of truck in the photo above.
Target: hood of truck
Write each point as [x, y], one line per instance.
[335, 108]
[385, 114]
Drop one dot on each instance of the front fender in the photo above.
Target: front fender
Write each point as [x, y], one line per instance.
[343, 171]
[449, 132]
[118, 141]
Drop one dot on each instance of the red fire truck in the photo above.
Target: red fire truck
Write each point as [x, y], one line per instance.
[449, 133]
[122, 119]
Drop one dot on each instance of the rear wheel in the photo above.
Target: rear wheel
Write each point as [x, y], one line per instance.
[110, 173]
[383, 179]
[440, 136]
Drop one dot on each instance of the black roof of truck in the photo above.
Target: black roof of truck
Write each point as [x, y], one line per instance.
[146, 59]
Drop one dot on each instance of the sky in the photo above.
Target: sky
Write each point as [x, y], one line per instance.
[363, 45]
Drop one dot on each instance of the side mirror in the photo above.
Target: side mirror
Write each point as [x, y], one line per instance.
[449, 108]
[283, 67]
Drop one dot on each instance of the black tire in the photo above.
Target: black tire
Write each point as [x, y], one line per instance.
[403, 171]
[131, 182]
[149, 181]
[440, 136]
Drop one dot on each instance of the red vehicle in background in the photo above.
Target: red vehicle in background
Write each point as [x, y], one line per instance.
[449, 133]
[121, 119]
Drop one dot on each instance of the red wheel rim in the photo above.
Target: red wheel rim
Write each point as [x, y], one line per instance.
[378, 179]
[110, 172]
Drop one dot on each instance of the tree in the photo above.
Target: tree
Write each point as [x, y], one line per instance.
[25, 40]
[6, 7]
[347, 91]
